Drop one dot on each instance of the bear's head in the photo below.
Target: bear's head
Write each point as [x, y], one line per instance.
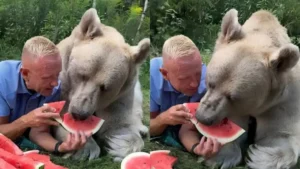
[248, 71]
[98, 65]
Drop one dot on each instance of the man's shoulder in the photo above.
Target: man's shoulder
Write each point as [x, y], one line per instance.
[8, 66]
[155, 64]
[156, 77]
[9, 75]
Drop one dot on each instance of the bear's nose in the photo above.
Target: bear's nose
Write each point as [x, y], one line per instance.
[80, 116]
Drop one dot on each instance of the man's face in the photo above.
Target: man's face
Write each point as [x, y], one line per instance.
[184, 73]
[42, 75]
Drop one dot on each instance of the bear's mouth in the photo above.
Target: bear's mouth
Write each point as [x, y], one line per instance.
[81, 116]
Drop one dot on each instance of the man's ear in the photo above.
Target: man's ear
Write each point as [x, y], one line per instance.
[164, 73]
[24, 73]
[284, 58]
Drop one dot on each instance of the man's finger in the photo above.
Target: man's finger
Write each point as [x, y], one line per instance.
[48, 108]
[50, 122]
[48, 115]
[181, 121]
[182, 114]
[216, 146]
[77, 140]
[83, 138]
[69, 141]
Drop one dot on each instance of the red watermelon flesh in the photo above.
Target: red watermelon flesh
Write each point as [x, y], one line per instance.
[20, 162]
[137, 160]
[161, 159]
[90, 125]
[34, 155]
[225, 132]
[5, 165]
[59, 105]
[10, 146]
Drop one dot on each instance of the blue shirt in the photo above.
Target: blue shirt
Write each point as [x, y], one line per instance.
[163, 95]
[15, 99]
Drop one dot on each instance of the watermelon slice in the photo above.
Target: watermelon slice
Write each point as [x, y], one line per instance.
[136, 160]
[6, 165]
[10, 146]
[226, 131]
[20, 162]
[161, 159]
[59, 105]
[90, 125]
[35, 156]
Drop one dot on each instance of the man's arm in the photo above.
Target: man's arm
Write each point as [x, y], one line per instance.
[189, 136]
[157, 125]
[42, 137]
[12, 130]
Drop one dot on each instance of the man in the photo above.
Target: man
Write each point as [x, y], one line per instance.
[25, 86]
[176, 78]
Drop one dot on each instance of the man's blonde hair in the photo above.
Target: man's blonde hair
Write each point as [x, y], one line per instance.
[40, 46]
[178, 46]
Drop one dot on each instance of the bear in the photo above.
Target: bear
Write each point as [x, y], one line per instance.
[100, 76]
[254, 71]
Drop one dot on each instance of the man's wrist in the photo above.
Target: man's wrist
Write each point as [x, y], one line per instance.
[193, 148]
[23, 122]
[57, 148]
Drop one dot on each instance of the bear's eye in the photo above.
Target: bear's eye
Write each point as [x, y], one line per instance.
[211, 85]
[230, 97]
[83, 77]
[102, 88]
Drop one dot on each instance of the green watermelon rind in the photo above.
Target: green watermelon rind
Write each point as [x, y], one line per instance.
[31, 151]
[93, 131]
[220, 139]
[133, 155]
[39, 166]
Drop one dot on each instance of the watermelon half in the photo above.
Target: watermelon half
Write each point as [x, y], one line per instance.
[226, 131]
[20, 162]
[90, 125]
[35, 156]
[10, 146]
[160, 159]
[136, 160]
[5, 165]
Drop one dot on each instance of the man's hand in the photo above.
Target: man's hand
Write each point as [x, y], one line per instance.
[43, 115]
[207, 148]
[177, 114]
[74, 142]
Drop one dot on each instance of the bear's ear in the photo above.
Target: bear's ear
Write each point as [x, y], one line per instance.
[90, 24]
[231, 29]
[284, 58]
[140, 52]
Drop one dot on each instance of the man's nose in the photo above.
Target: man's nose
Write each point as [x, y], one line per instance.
[194, 83]
[54, 83]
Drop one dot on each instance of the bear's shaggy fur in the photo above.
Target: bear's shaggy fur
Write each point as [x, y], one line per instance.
[254, 71]
[100, 77]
